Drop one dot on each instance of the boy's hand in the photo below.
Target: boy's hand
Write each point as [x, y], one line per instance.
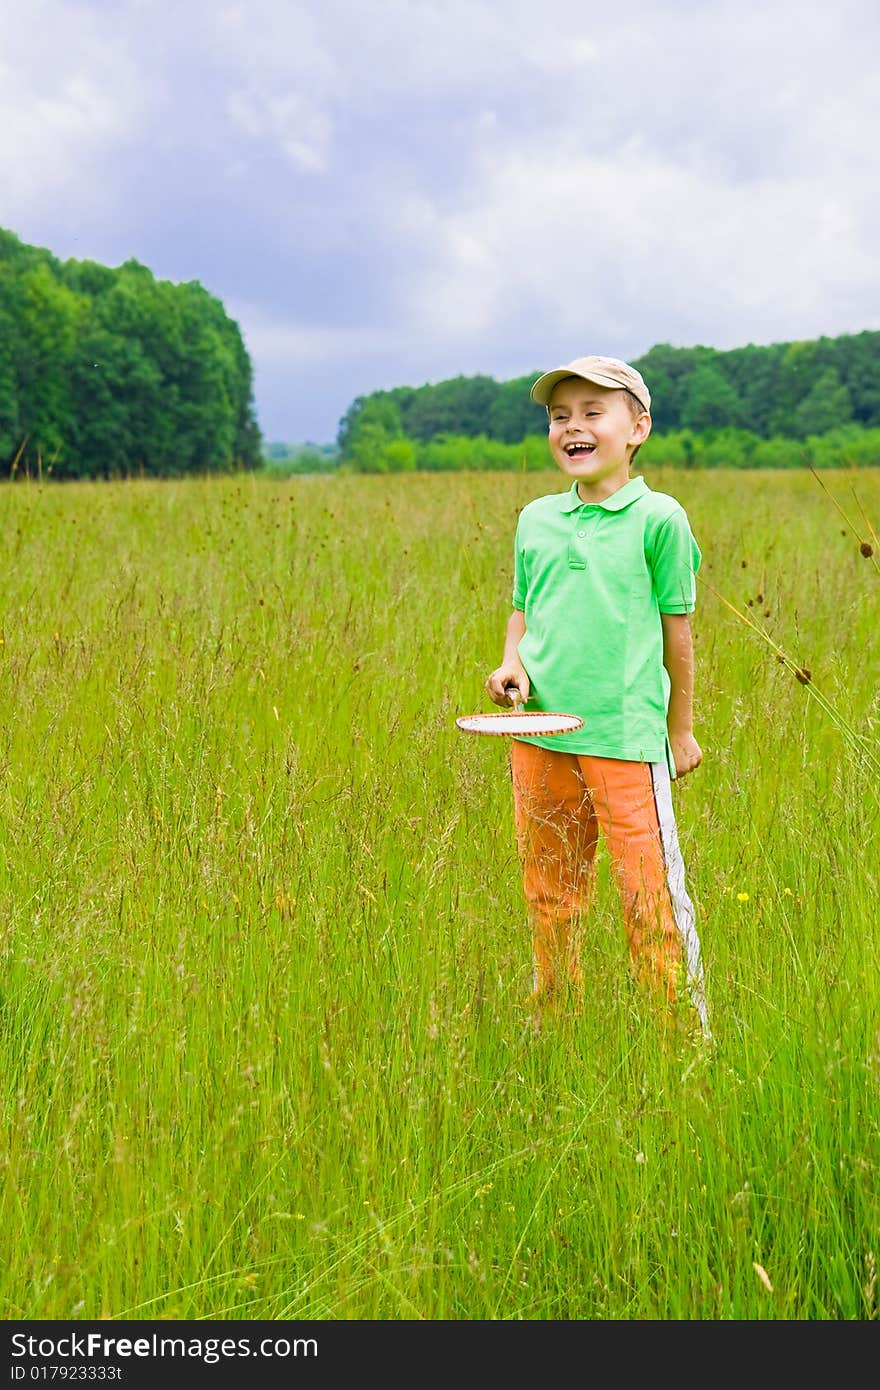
[686, 753]
[511, 673]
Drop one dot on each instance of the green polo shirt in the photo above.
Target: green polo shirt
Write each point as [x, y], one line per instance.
[592, 579]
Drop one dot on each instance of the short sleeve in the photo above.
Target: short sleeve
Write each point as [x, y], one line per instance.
[520, 581]
[675, 559]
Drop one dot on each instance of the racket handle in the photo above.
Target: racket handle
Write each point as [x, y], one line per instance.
[514, 693]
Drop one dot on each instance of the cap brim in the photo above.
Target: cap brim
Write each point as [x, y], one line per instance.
[543, 388]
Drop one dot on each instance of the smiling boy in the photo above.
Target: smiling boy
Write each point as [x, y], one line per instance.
[604, 582]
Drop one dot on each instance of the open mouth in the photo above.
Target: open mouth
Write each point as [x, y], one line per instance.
[576, 451]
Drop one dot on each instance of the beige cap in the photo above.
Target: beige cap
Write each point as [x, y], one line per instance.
[604, 371]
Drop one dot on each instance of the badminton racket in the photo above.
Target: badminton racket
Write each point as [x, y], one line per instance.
[516, 721]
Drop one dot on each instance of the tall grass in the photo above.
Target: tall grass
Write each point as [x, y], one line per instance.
[264, 1042]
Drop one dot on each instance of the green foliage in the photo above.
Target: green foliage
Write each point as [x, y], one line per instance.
[370, 426]
[848, 445]
[283, 460]
[398, 456]
[827, 404]
[711, 402]
[668, 370]
[720, 448]
[116, 373]
[779, 452]
[784, 391]
[462, 404]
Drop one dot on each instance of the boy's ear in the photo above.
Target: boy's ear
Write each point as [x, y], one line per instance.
[641, 428]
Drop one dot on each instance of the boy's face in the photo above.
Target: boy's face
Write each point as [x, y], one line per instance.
[592, 433]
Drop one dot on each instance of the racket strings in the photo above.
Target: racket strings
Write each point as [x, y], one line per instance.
[510, 723]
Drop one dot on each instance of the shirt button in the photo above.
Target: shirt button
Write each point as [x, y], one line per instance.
[582, 533]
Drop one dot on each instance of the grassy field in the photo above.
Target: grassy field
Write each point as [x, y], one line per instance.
[264, 1042]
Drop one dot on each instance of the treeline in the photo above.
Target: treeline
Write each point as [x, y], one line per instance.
[283, 460]
[785, 391]
[849, 446]
[111, 373]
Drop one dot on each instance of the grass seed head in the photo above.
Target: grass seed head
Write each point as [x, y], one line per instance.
[762, 1275]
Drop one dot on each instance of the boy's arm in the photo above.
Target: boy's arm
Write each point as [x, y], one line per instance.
[678, 658]
[511, 671]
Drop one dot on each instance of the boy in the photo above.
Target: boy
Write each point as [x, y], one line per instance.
[603, 586]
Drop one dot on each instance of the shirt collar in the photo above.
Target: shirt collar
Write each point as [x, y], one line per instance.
[635, 488]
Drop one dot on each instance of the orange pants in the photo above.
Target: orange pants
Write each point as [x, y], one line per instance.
[561, 802]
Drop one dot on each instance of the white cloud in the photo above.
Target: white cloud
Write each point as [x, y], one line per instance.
[592, 245]
[417, 187]
[301, 130]
[283, 341]
[61, 111]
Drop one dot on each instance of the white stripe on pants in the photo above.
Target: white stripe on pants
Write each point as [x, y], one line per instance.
[682, 907]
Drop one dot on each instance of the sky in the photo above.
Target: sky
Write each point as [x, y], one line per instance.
[394, 192]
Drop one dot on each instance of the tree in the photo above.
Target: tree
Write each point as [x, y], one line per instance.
[49, 319]
[398, 456]
[772, 391]
[754, 372]
[711, 402]
[668, 371]
[369, 425]
[514, 415]
[10, 428]
[827, 405]
[111, 371]
[857, 360]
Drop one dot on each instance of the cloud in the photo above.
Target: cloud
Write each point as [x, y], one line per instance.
[283, 343]
[69, 95]
[300, 129]
[392, 192]
[644, 247]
